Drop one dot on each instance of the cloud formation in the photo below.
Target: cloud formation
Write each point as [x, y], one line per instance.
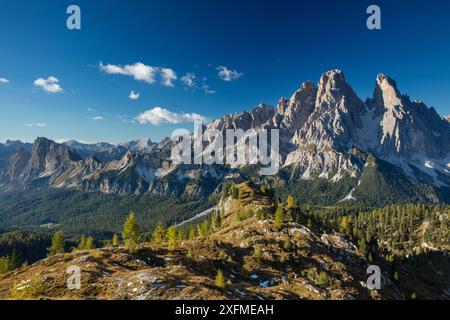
[50, 85]
[227, 74]
[39, 125]
[134, 95]
[4, 80]
[206, 89]
[142, 72]
[168, 76]
[98, 118]
[158, 116]
[188, 79]
[138, 71]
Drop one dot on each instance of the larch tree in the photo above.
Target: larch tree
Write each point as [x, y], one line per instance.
[172, 238]
[58, 244]
[90, 243]
[115, 240]
[131, 233]
[158, 234]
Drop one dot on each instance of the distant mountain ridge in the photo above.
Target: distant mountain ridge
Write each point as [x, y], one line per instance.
[327, 133]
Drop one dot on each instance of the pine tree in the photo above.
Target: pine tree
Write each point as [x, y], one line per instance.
[344, 225]
[362, 246]
[322, 279]
[172, 238]
[257, 254]
[262, 189]
[220, 280]
[225, 191]
[15, 261]
[180, 234]
[192, 234]
[200, 233]
[82, 243]
[115, 240]
[131, 233]
[216, 221]
[261, 214]
[90, 244]
[287, 244]
[279, 218]
[290, 202]
[308, 208]
[396, 276]
[158, 234]
[58, 244]
[4, 265]
[234, 193]
[288, 216]
[206, 228]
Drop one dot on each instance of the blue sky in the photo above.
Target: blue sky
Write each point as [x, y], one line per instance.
[267, 49]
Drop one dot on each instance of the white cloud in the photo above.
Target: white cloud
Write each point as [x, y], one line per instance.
[138, 71]
[50, 85]
[98, 118]
[168, 76]
[39, 125]
[64, 140]
[188, 80]
[158, 116]
[124, 119]
[134, 95]
[142, 72]
[206, 89]
[228, 74]
[4, 80]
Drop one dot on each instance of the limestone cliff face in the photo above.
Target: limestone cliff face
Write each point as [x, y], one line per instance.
[407, 128]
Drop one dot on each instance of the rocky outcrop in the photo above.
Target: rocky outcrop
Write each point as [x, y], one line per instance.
[102, 151]
[292, 114]
[407, 128]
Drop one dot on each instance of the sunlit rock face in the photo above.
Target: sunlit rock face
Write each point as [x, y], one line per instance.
[326, 131]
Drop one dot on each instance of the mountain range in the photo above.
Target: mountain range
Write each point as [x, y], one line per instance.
[334, 147]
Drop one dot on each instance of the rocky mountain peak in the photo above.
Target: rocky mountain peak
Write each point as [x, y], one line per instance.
[295, 112]
[19, 161]
[143, 145]
[307, 89]
[333, 79]
[334, 92]
[262, 112]
[46, 154]
[282, 105]
[386, 95]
